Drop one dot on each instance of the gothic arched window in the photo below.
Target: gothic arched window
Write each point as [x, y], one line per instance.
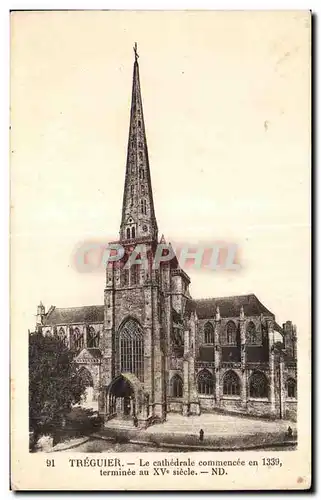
[78, 339]
[251, 333]
[62, 335]
[128, 233]
[92, 337]
[143, 206]
[124, 277]
[259, 387]
[205, 382]
[231, 333]
[141, 174]
[231, 384]
[134, 273]
[176, 386]
[133, 232]
[208, 333]
[291, 388]
[131, 341]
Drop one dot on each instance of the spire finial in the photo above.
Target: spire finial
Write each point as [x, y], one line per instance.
[135, 51]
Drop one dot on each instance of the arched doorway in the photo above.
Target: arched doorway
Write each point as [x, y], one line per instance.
[121, 398]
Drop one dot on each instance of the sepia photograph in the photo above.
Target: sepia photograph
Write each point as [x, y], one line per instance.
[160, 249]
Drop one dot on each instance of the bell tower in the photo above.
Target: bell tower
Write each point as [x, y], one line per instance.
[133, 348]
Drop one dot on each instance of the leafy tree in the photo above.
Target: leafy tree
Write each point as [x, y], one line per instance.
[54, 385]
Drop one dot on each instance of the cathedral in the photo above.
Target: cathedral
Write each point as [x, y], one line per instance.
[151, 349]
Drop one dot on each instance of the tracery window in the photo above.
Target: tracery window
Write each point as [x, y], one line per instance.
[208, 333]
[124, 273]
[251, 334]
[62, 335]
[259, 387]
[92, 337]
[134, 274]
[231, 384]
[131, 341]
[176, 386]
[291, 388]
[205, 382]
[231, 333]
[78, 339]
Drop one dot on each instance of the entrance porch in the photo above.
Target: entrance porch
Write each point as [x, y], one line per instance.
[125, 399]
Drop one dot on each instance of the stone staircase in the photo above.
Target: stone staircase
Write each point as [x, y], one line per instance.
[120, 423]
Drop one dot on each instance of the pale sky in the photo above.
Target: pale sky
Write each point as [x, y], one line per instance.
[226, 100]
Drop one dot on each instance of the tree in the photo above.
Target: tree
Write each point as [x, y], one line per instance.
[54, 385]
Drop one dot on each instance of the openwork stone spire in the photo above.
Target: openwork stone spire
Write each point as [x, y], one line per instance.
[138, 215]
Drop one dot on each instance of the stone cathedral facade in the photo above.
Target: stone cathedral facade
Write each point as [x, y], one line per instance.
[151, 349]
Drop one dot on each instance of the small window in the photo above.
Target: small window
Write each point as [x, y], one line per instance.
[128, 233]
[133, 232]
[139, 123]
[143, 206]
[251, 334]
[208, 333]
[291, 388]
[231, 333]
[134, 274]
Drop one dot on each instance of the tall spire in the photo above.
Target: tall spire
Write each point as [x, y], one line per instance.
[138, 215]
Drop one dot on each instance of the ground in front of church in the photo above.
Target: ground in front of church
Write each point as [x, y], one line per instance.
[179, 433]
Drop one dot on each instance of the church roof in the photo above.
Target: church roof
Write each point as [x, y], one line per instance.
[230, 306]
[73, 315]
[205, 308]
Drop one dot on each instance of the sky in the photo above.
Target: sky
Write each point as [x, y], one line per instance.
[226, 99]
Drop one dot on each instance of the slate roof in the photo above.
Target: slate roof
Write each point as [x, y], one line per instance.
[73, 315]
[230, 306]
[205, 308]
